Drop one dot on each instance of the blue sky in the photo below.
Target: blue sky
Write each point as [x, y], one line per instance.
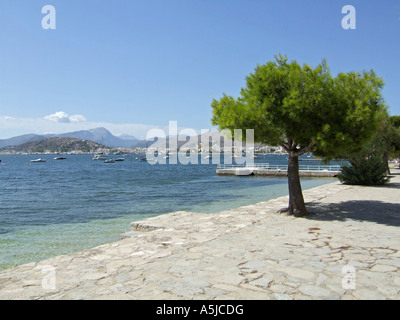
[117, 63]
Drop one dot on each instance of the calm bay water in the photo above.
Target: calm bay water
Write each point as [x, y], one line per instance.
[58, 207]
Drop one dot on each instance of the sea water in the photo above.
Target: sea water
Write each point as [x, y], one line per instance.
[62, 206]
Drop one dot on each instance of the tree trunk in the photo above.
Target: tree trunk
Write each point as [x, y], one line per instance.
[297, 206]
[385, 160]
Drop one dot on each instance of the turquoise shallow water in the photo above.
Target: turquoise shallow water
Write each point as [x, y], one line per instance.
[58, 207]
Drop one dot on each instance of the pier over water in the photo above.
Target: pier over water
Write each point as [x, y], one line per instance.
[265, 169]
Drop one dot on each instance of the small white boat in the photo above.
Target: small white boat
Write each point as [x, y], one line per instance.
[38, 160]
[60, 158]
[109, 161]
[99, 157]
[243, 171]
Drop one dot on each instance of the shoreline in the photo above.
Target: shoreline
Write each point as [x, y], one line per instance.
[37, 243]
[249, 252]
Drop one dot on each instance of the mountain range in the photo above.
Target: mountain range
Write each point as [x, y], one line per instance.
[55, 145]
[106, 138]
[98, 135]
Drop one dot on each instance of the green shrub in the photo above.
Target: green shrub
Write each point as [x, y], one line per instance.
[364, 172]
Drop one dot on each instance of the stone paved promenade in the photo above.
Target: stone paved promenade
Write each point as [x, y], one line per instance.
[348, 248]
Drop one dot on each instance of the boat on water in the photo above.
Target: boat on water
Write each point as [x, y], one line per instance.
[99, 157]
[38, 160]
[60, 158]
[244, 172]
[119, 159]
[109, 161]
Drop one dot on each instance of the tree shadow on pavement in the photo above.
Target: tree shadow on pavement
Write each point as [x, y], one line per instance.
[361, 210]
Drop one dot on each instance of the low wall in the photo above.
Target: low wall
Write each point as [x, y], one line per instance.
[279, 173]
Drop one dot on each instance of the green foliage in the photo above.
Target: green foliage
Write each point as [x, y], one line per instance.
[364, 172]
[305, 109]
[395, 121]
[395, 138]
[383, 144]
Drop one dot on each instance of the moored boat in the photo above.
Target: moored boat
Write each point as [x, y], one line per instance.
[38, 160]
[99, 157]
[244, 171]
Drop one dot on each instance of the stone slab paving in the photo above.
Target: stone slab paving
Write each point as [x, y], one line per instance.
[347, 248]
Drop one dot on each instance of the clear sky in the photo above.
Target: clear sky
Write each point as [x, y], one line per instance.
[117, 63]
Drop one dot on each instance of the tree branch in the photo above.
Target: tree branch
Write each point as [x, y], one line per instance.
[304, 150]
[285, 148]
[286, 145]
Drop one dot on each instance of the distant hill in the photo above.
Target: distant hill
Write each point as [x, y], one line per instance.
[55, 145]
[20, 139]
[103, 138]
[127, 137]
[208, 138]
[213, 139]
[98, 135]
